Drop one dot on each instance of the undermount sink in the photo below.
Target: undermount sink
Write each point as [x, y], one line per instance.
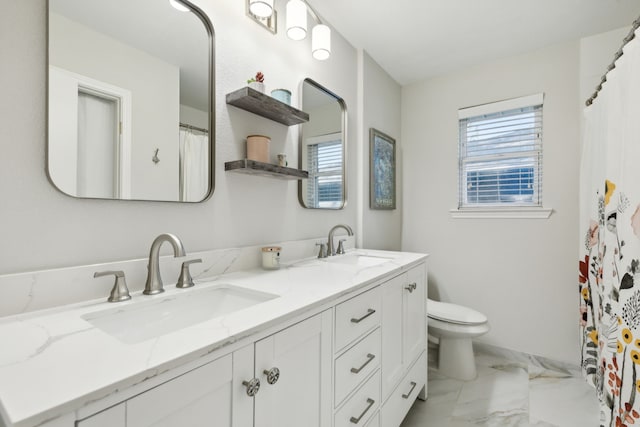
[138, 322]
[359, 260]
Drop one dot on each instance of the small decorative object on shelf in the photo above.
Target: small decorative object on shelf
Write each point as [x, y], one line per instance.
[282, 95]
[257, 82]
[258, 148]
[271, 257]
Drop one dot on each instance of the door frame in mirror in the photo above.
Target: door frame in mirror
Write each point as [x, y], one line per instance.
[203, 17]
[343, 107]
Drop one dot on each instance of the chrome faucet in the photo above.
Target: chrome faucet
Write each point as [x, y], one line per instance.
[330, 248]
[154, 282]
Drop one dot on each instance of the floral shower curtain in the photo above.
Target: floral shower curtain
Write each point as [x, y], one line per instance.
[609, 279]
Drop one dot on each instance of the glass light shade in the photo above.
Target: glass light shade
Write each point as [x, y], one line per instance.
[261, 8]
[296, 20]
[178, 5]
[321, 42]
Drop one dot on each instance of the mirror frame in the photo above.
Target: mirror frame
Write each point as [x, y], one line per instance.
[211, 116]
[343, 107]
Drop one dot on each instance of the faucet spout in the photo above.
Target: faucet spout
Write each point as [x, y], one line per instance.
[330, 246]
[153, 284]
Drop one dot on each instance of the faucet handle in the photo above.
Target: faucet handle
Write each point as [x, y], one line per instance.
[185, 280]
[322, 253]
[340, 250]
[119, 292]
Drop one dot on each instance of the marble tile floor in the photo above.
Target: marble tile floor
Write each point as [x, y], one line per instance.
[509, 391]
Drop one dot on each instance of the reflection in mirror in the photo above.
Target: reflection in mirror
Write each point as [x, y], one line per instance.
[130, 100]
[323, 148]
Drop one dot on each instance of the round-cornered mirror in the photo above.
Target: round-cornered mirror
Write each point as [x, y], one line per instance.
[130, 100]
[323, 148]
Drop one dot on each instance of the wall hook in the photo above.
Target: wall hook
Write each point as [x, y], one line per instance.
[155, 157]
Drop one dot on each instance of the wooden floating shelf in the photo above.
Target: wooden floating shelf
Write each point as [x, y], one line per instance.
[252, 167]
[266, 106]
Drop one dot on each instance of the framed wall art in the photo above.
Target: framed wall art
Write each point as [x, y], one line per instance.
[382, 167]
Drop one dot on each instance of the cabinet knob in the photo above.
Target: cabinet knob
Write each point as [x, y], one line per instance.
[411, 287]
[253, 386]
[273, 375]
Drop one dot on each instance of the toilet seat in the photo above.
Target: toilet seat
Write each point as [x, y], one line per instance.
[454, 313]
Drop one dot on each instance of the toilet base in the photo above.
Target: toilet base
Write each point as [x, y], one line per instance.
[456, 359]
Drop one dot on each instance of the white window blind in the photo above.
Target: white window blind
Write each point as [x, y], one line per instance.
[500, 155]
[324, 186]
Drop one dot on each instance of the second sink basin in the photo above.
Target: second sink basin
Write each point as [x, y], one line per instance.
[141, 321]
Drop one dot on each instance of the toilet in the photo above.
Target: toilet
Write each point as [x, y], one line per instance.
[453, 327]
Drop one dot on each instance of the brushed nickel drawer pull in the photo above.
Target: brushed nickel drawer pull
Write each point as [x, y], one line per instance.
[413, 385]
[411, 287]
[370, 357]
[369, 313]
[357, 420]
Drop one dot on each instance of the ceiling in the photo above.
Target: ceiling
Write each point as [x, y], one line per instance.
[416, 39]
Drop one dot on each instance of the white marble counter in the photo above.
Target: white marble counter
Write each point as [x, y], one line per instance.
[52, 362]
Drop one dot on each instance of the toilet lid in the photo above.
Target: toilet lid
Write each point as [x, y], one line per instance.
[454, 313]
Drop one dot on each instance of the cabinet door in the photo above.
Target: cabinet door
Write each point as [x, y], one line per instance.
[302, 394]
[112, 417]
[201, 397]
[391, 328]
[415, 315]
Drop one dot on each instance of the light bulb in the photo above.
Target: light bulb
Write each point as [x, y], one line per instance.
[261, 8]
[296, 20]
[321, 42]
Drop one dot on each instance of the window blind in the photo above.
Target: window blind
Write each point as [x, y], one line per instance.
[324, 186]
[500, 155]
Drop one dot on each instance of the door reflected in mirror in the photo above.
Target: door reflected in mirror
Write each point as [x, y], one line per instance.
[130, 100]
[322, 148]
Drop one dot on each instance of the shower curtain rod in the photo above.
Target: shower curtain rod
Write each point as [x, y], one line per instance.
[630, 36]
[184, 125]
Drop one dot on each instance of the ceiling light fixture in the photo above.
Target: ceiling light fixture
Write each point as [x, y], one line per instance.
[261, 8]
[296, 20]
[178, 5]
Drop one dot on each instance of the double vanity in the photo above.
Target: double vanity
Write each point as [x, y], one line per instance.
[338, 341]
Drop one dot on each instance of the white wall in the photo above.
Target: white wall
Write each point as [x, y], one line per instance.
[154, 115]
[382, 229]
[520, 272]
[42, 228]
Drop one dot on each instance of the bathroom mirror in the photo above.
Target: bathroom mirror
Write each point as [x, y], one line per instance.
[130, 100]
[323, 148]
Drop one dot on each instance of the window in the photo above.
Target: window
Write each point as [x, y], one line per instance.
[500, 154]
[324, 186]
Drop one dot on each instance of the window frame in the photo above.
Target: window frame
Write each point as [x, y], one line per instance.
[498, 209]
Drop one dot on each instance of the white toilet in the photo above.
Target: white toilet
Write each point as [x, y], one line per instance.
[454, 326]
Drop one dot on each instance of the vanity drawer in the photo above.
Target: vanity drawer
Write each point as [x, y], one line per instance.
[375, 421]
[356, 364]
[401, 399]
[356, 316]
[361, 406]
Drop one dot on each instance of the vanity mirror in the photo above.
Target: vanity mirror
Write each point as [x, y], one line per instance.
[323, 148]
[130, 100]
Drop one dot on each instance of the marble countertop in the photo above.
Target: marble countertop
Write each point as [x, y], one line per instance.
[52, 362]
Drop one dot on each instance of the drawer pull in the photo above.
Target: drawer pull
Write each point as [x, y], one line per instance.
[273, 375]
[253, 386]
[369, 313]
[411, 287]
[413, 385]
[355, 420]
[370, 357]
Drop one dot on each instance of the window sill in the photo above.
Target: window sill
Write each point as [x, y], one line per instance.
[514, 212]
